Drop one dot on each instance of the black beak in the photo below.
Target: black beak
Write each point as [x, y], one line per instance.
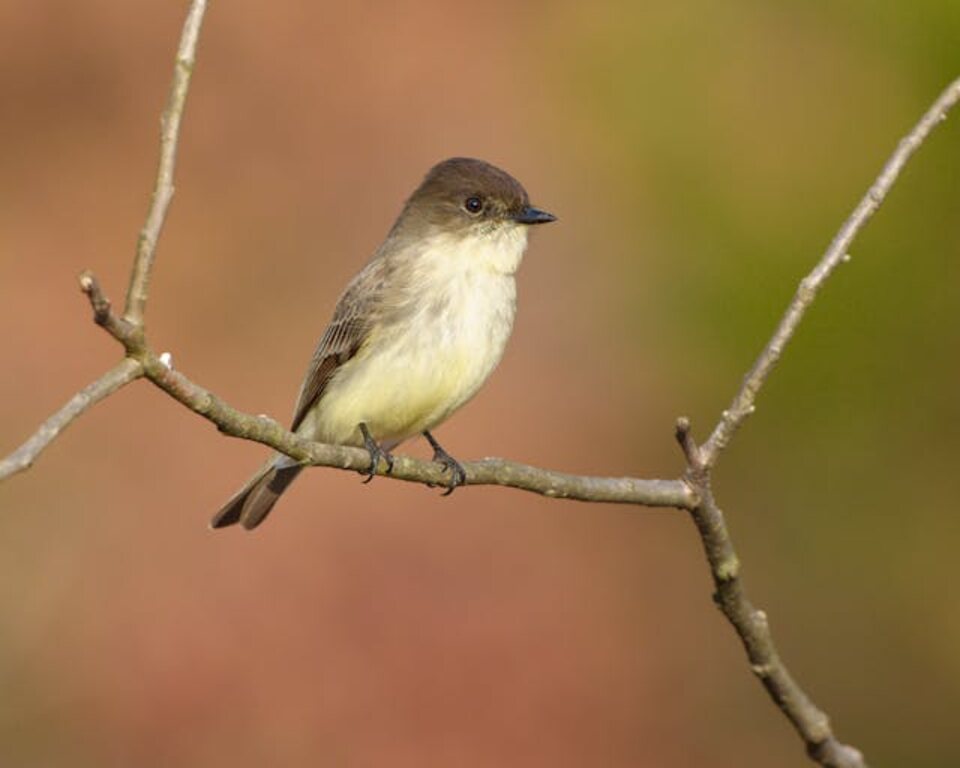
[531, 215]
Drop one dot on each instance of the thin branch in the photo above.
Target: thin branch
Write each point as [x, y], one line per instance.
[24, 456]
[129, 328]
[163, 188]
[750, 623]
[103, 314]
[752, 626]
[261, 429]
[743, 403]
[691, 451]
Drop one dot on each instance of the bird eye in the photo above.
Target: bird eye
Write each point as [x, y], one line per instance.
[473, 205]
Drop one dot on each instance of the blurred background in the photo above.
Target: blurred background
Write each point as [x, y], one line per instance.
[700, 157]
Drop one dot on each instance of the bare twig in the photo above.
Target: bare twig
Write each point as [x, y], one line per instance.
[163, 188]
[103, 314]
[106, 385]
[261, 429]
[752, 626]
[743, 403]
[750, 623]
[128, 329]
[688, 445]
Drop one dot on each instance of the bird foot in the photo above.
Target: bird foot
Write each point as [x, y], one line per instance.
[376, 453]
[458, 475]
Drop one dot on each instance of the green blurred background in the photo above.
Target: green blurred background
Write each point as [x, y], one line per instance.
[700, 156]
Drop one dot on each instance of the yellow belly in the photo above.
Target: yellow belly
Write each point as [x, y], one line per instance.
[409, 379]
[394, 396]
[432, 354]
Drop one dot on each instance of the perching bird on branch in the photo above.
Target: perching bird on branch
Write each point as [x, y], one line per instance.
[416, 333]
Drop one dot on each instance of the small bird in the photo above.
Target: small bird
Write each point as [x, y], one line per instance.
[416, 332]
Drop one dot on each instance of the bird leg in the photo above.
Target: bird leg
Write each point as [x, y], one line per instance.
[376, 453]
[458, 475]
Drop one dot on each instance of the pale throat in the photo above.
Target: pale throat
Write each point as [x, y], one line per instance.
[498, 250]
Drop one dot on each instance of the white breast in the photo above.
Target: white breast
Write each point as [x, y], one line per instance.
[416, 371]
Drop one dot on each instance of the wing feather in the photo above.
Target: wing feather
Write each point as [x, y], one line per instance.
[343, 338]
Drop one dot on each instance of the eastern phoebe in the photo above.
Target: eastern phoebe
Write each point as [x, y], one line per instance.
[416, 332]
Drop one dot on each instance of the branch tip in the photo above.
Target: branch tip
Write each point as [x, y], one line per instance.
[163, 186]
[836, 253]
[98, 301]
[24, 456]
[688, 445]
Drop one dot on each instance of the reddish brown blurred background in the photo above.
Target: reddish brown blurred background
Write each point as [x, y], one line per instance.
[700, 156]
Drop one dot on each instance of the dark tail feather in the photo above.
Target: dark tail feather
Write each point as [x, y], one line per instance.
[255, 500]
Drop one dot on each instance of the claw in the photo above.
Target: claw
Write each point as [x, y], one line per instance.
[458, 475]
[376, 453]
